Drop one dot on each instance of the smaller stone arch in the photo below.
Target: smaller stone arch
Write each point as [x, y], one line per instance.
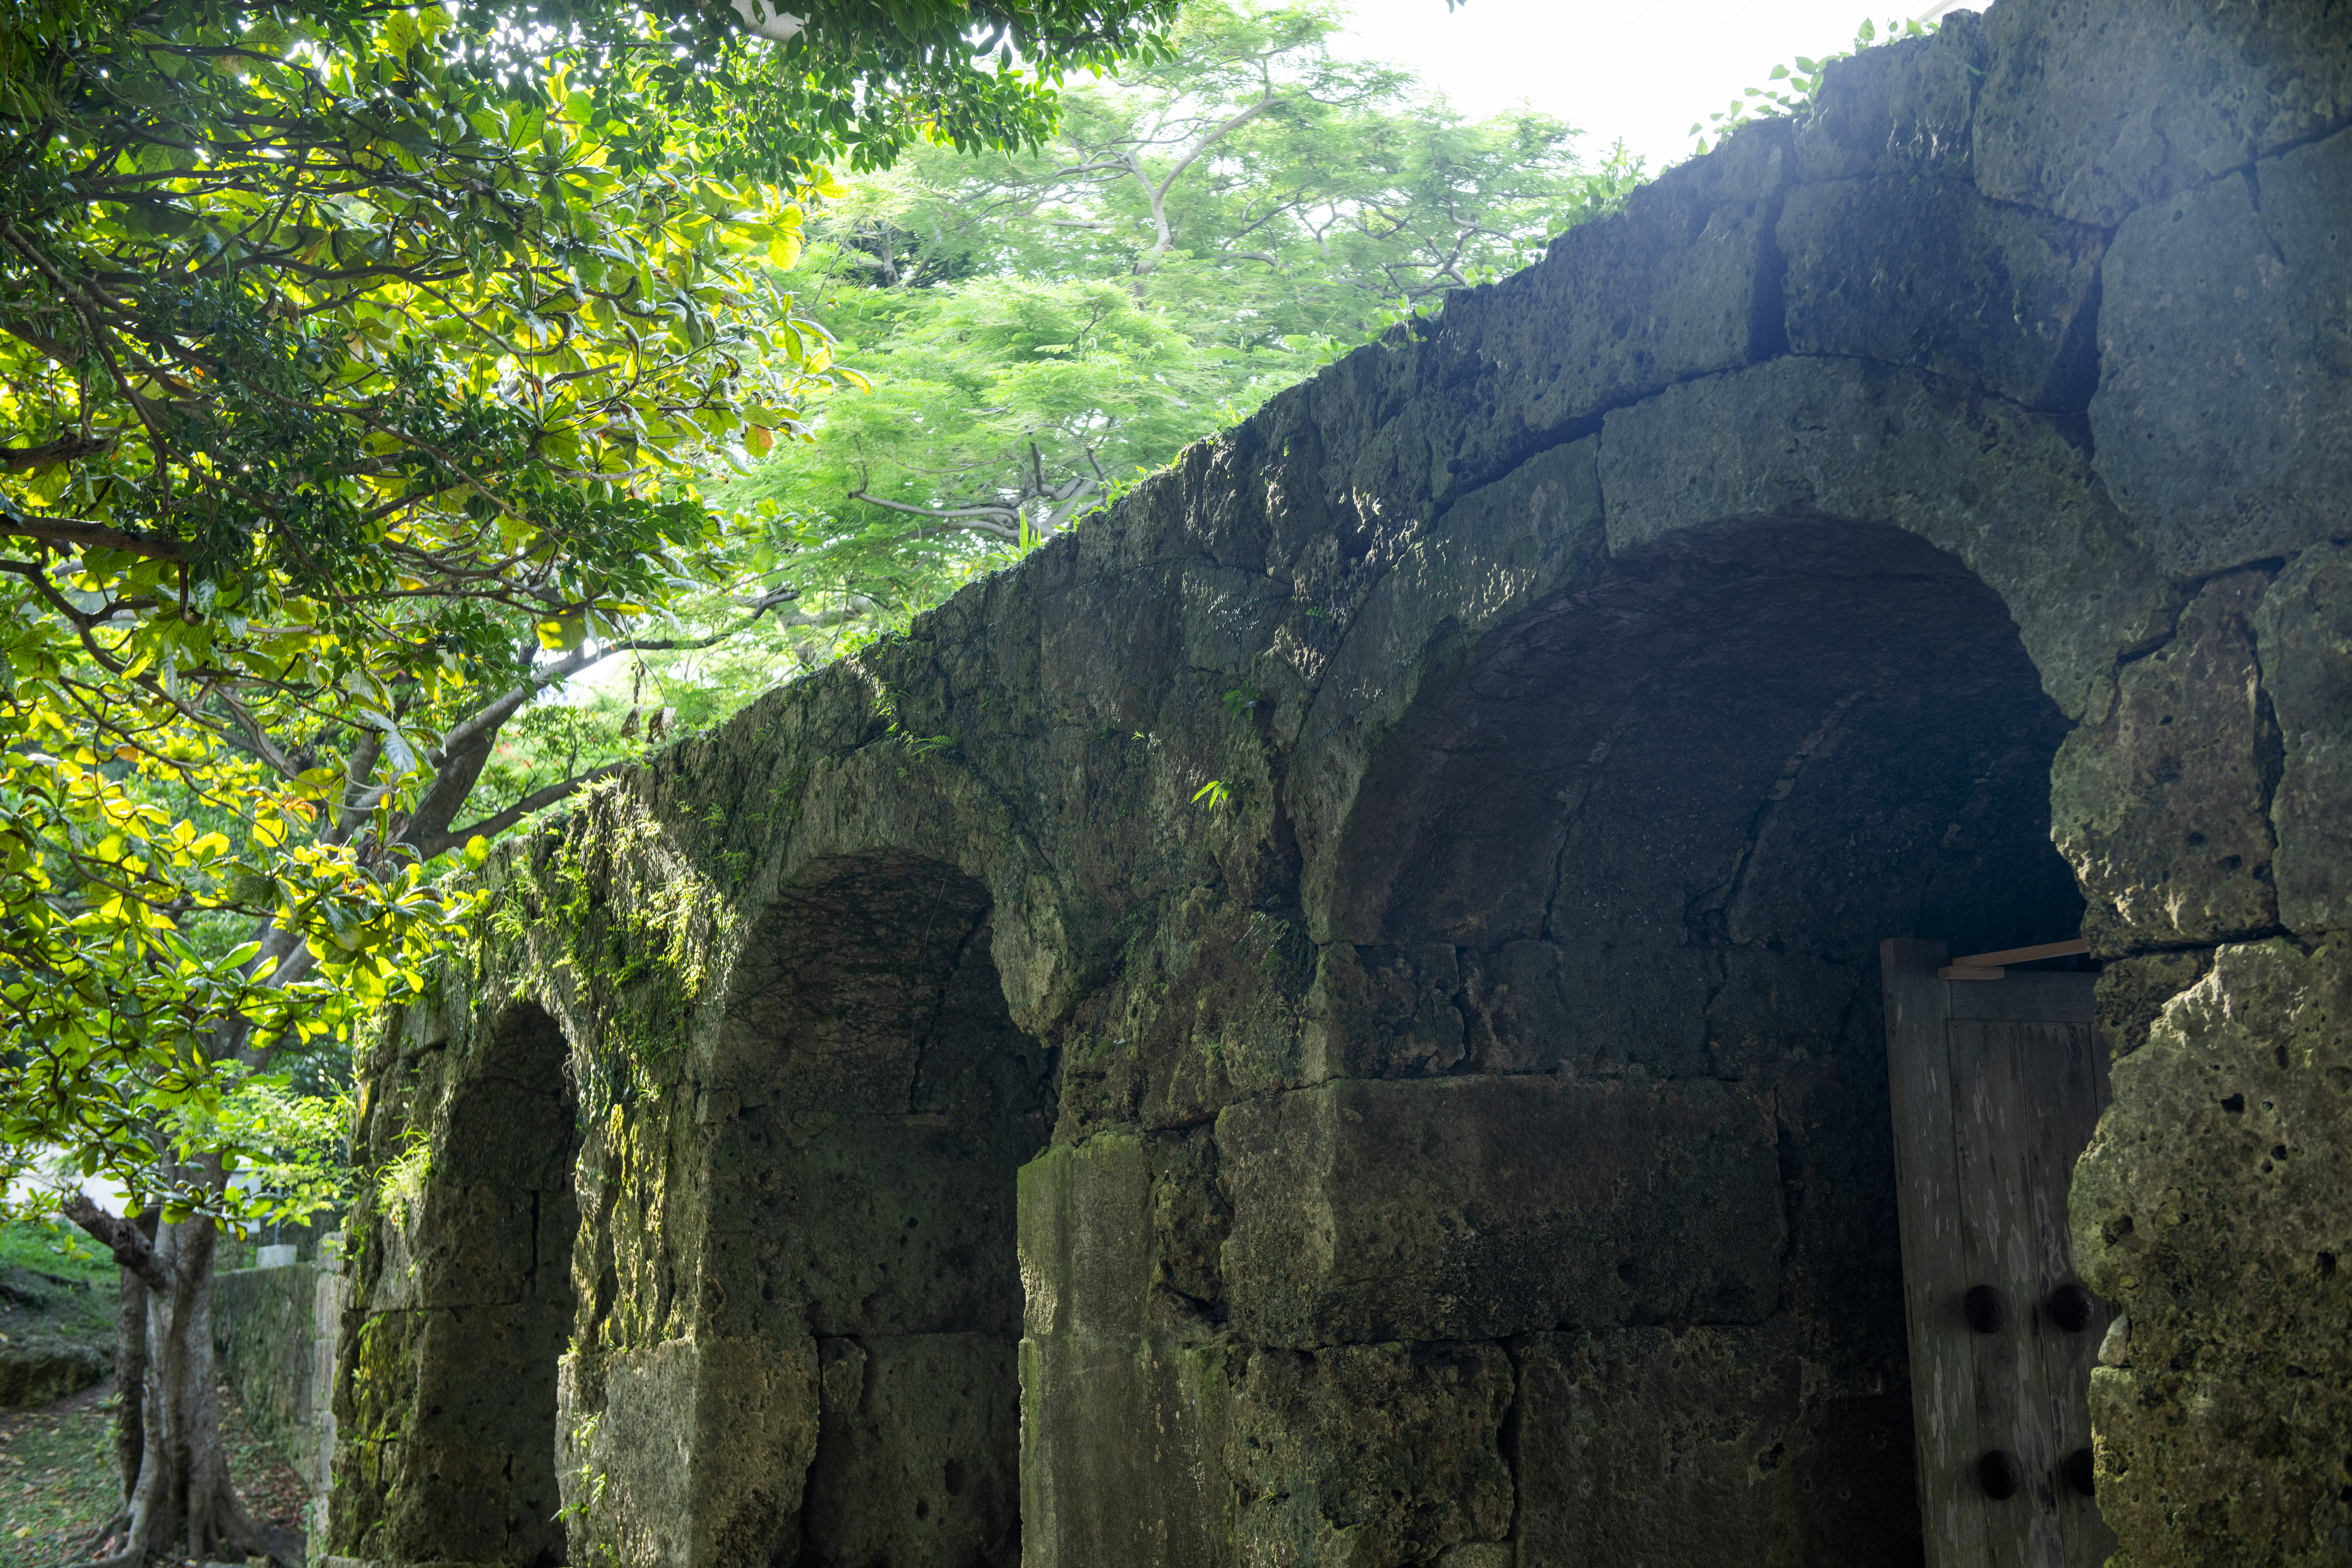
[843, 1353]
[449, 1369]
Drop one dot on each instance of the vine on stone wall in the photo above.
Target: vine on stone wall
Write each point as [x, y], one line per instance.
[638, 956]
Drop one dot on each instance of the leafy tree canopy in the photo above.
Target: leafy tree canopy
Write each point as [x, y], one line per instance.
[1041, 324]
[357, 365]
[357, 362]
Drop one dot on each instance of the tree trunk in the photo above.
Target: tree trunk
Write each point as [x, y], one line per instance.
[184, 1502]
[130, 1380]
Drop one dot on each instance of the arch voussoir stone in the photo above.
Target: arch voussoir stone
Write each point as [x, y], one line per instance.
[2003, 489]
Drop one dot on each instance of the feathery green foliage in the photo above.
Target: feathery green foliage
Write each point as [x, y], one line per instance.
[358, 365]
[1040, 327]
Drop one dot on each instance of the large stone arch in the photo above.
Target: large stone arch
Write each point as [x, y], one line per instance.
[1684, 696]
[1806, 443]
[1605, 955]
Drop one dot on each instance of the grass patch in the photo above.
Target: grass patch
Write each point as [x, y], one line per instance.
[58, 1486]
[57, 1482]
[61, 1252]
[55, 1283]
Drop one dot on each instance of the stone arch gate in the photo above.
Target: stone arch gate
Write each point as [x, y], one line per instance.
[1467, 1143]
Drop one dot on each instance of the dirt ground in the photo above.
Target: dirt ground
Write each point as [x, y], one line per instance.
[58, 1486]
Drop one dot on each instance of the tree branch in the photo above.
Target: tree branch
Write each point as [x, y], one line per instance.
[500, 822]
[858, 607]
[466, 749]
[64, 449]
[123, 1238]
[1080, 490]
[1216, 134]
[86, 534]
[258, 736]
[1164, 236]
[1001, 527]
[485, 722]
[769, 601]
[358, 799]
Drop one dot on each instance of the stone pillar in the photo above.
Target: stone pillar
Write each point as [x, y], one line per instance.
[2207, 810]
[330, 1295]
[1123, 1410]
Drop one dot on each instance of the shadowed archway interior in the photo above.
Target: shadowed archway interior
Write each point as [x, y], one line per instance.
[1654, 830]
[1798, 737]
[485, 1266]
[862, 1198]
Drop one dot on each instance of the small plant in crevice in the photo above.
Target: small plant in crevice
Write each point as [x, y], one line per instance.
[401, 1185]
[1803, 79]
[588, 1482]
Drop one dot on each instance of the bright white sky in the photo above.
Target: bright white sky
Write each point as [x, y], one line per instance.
[1642, 69]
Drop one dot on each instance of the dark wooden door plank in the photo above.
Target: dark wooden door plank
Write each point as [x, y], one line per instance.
[1927, 1200]
[2026, 997]
[1996, 1087]
[1993, 1121]
[2065, 1074]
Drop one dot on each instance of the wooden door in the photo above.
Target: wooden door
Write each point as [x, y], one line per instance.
[1997, 1087]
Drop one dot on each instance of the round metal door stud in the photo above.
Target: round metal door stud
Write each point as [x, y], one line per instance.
[2000, 1474]
[1986, 1309]
[2082, 1472]
[2072, 1307]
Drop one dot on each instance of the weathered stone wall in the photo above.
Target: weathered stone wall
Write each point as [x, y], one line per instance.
[265, 1334]
[275, 1331]
[1468, 1144]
